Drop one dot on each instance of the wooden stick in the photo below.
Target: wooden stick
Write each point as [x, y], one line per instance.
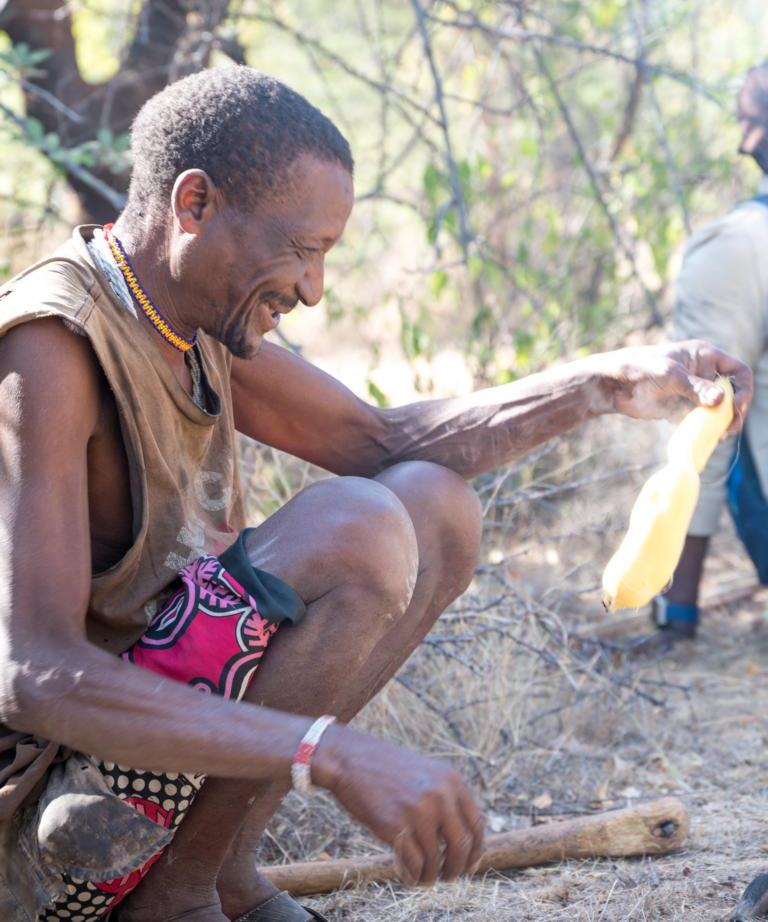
[654, 828]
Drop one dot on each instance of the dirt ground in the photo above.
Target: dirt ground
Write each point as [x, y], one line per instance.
[546, 727]
[711, 750]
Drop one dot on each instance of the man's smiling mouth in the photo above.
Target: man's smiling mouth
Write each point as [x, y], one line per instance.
[277, 310]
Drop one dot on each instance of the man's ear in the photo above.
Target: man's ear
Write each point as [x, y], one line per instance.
[194, 200]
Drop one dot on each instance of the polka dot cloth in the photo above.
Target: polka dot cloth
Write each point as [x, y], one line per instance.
[163, 798]
[209, 635]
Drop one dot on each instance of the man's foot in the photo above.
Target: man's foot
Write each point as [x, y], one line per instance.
[162, 899]
[240, 892]
[148, 914]
[678, 632]
[658, 643]
[681, 619]
[281, 908]
[673, 624]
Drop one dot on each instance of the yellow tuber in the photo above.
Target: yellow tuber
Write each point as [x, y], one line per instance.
[647, 557]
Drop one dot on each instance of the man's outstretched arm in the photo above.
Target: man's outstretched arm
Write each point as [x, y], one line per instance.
[285, 402]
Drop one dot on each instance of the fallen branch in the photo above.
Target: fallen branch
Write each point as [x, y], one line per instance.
[654, 828]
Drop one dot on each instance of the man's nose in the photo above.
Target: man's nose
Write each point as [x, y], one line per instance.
[310, 286]
[751, 136]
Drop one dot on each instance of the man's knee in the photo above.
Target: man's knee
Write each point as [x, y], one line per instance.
[447, 514]
[370, 538]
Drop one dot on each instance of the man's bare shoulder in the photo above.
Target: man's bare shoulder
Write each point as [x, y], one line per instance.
[49, 376]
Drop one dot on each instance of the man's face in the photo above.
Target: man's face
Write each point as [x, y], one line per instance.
[263, 264]
[753, 122]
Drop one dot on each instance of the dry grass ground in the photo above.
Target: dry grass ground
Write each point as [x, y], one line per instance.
[546, 726]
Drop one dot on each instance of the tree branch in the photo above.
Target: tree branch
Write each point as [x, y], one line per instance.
[160, 26]
[405, 101]
[172, 38]
[639, 23]
[115, 199]
[453, 172]
[47, 24]
[630, 114]
[655, 317]
[469, 21]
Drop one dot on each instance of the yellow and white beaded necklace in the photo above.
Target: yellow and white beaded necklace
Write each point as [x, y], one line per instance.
[140, 296]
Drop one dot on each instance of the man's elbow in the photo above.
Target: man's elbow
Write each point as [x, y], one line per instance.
[31, 693]
[380, 447]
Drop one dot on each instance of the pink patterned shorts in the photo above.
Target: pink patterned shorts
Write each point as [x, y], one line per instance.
[209, 635]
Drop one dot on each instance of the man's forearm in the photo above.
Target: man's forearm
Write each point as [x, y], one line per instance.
[118, 712]
[486, 429]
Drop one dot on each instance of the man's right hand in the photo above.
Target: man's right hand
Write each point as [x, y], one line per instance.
[418, 805]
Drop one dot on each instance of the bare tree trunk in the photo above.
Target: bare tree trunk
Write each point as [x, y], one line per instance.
[172, 38]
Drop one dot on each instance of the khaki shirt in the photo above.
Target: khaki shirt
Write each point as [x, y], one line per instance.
[722, 296]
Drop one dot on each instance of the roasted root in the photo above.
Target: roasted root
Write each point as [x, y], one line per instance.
[647, 557]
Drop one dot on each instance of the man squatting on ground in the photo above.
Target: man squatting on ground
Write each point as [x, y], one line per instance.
[722, 296]
[119, 473]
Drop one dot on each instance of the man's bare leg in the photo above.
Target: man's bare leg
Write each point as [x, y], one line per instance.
[446, 517]
[350, 548]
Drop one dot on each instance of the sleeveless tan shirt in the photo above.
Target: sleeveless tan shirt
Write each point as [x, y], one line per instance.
[184, 477]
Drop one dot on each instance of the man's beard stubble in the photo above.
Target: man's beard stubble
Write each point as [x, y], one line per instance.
[235, 334]
[235, 338]
[760, 155]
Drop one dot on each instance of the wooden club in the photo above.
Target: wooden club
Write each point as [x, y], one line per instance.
[654, 828]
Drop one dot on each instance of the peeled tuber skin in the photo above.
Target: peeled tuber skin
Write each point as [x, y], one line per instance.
[650, 551]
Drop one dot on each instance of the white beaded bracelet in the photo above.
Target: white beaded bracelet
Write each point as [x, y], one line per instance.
[301, 772]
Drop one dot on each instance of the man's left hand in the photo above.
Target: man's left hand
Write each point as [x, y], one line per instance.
[649, 382]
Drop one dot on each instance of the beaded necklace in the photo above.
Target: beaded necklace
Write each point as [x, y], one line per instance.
[142, 298]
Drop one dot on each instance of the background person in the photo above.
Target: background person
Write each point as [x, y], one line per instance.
[722, 296]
